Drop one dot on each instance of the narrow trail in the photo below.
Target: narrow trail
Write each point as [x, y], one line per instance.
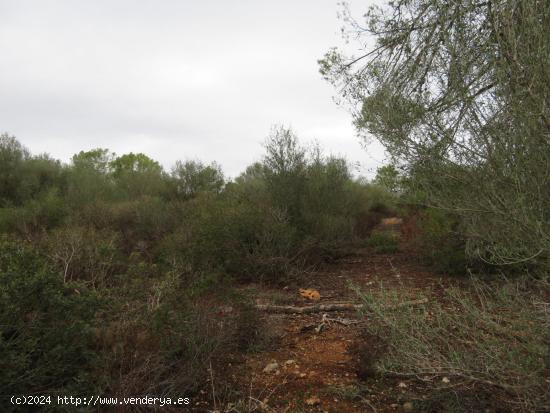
[307, 370]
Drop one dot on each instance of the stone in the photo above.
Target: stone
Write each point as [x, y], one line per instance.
[271, 367]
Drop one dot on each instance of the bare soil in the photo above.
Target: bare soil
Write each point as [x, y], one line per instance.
[320, 371]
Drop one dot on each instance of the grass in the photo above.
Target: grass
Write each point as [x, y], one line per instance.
[488, 344]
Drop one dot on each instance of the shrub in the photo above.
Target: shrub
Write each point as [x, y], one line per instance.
[439, 242]
[162, 335]
[489, 344]
[383, 242]
[250, 241]
[84, 254]
[45, 212]
[46, 327]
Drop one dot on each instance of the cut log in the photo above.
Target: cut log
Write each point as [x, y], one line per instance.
[288, 309]
[309, 309]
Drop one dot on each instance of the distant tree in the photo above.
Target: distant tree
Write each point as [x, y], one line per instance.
[134, 164]
[284, 155]
[137, 174]
[12, 157]
[42, 173]
[192, 177]
[99, 160]
[285, 171]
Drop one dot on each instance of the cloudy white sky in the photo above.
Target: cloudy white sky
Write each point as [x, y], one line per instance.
[175, 79]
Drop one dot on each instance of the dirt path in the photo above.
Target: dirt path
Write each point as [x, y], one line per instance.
[306, 370]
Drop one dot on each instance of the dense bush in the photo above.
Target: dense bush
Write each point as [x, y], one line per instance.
[83, 253]
[46, 327]
[130, 266]
[383, 242]
[246, 239]
[438, 239]
[160, 335]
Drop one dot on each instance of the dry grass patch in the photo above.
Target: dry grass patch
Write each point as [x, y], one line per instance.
[488, 344]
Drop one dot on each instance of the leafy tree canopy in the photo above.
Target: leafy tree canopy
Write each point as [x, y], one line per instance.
[96, 159]
[192, 177]
[135, 163]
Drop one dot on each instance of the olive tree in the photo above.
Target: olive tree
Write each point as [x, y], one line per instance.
[458, 93]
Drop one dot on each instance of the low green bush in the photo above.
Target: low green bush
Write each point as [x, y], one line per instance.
[46, 327]
[383, 242]
[245, 239]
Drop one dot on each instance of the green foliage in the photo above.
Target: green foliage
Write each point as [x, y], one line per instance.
[135, 265]
[12, 157]
[285, 171]
[134, 164]
[388, 177]
[439, 241]
[46, 211]
[316, 192]
[383, 242]
[137, 175]
[99, 160]
[461, 104]
[46, 327]
[193, 177]
[160, 338]
[244, 238]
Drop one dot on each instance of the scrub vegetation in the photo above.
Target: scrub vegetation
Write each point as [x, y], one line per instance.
[118, 277]
[114, 272]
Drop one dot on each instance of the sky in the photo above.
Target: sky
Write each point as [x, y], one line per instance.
[174, 79]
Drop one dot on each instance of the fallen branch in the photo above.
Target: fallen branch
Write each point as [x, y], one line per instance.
[506, 387]
[288, 309]
[344, 321]
[309, 309]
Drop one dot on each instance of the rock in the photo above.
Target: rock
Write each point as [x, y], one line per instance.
[313, 401]
[408, 407]
[288, 362]
[271, 367]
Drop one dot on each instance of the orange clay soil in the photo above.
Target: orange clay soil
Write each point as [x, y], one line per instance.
[318, 371]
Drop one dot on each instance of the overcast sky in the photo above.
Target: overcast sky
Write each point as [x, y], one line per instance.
[174, 79]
